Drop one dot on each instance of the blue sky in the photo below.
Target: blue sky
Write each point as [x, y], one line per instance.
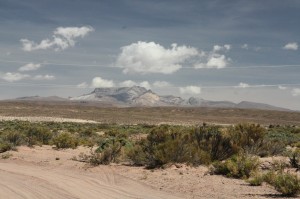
[217, 50]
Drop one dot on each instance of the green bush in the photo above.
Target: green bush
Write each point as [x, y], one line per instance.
[38, 136]
[12, 137]
[239, 166]
[215, 142]
[65, 140]
[256, 179]
[285, 183]
[248, 138]
[4, 146]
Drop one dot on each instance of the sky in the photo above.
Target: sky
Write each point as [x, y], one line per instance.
[234, 50]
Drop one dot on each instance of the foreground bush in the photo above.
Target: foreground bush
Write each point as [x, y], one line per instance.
[256, 179]
[65, 140]
[285, 183]
[239, 166]
[37, 136]
[4, 146]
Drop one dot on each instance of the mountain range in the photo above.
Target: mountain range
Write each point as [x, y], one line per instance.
[140, 96]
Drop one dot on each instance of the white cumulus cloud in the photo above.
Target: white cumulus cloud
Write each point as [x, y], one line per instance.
[99, 82]
[190, 90]
[150, 57]
[128, 83]
[243, 85]
[62, 38]
[43, 77]
[214, 59]
[161, 84]
[30, 67]
[220, 48]
[291, 46]
[145, 84]
[296, 92]
[13, 77]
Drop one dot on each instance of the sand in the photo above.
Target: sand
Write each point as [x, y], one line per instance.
[42, 172]
[45, 119]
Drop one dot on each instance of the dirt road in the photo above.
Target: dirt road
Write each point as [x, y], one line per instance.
[32, 182]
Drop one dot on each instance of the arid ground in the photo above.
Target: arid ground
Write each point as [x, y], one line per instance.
[43, 172]
[149, 115]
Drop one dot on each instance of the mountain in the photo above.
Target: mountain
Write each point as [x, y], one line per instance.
[140, 96]
[39, 98]
[249, 105]
[132, 96]
[198, 102]
[213, 104]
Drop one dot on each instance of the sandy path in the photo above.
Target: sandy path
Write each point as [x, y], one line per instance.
[29, 181]
[43, 173]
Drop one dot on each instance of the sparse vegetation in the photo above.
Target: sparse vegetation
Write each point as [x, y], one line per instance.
[232, 151]
[285, 183]
[238, 166]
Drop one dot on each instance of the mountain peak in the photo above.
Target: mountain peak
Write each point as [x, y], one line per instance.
[140, 96]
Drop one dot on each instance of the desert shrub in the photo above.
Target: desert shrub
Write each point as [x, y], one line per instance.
[13, 137]
[283, 134]
[38, 136]
[238, 166]
[247, 137]
[212, 140]
[256, 179]
[285, 183]
[65, 140]
[4, 146]
[109, 149]
[294, 157]
[137, 155]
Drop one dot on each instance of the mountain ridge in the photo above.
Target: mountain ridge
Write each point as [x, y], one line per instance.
[140, 96]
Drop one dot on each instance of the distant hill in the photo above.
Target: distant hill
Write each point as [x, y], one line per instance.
[38, 98]
[140, 96]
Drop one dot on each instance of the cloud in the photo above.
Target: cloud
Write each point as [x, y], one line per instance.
[245, 46]
[291, 46]
[43, 77]
[128, 83]
[62, 38]
[225, 47]
[217, 61]
[282, 87]
[190, 90]
[243, 85]
[149, 57]
[213, 59]
[13, 77]
[145, 84]
[30, 67]
[161, 84]
[82, 85]
[296, 92]
[100, 82]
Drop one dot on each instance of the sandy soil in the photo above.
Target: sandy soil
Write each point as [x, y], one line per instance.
[45, 119]
[43, 172]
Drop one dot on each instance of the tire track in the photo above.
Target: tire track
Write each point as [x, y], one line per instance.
[32, 182]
